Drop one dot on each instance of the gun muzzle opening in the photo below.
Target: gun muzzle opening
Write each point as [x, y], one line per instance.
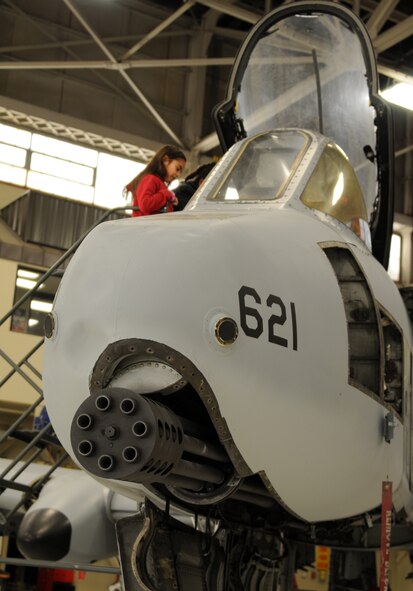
[103, 403]
[84, 421]
[140, 428]
[128, 406]
[130, 454]
[106, 463]
[85, 448]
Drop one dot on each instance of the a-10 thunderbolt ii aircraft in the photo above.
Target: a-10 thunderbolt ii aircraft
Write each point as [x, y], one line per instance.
[248, 360]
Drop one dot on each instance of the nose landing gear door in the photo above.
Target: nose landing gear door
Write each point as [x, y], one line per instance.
[311, 65]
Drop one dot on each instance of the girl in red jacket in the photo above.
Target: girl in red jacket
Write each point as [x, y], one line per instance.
[149, 187]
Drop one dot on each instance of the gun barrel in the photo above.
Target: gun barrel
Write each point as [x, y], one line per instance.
[123, 435]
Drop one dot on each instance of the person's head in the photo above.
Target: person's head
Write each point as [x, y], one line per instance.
[199, 175]
[167, 164]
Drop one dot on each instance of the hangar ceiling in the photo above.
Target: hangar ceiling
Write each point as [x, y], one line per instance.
[152, 69]
[144, 73]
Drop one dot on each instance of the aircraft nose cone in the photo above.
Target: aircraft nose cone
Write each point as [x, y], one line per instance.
[44, 534]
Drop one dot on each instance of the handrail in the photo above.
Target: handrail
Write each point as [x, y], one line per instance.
[62, 259]
[66, 565]
[26, 449]
[38, 485]
[22, 361]
[18, 369]
[41, 435]
[28, 462]
[21, 418]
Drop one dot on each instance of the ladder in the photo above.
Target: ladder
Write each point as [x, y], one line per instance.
[35, 440]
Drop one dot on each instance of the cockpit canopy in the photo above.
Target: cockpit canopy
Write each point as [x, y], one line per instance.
[263, 168]
[311, 65]
[333, 188]
[259, 170]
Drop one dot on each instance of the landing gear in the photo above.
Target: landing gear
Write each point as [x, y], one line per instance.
[159, 553]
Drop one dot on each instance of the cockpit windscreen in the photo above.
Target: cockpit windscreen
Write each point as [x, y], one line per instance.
[263, 168]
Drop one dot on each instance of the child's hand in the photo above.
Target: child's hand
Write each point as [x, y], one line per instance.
[174, 201]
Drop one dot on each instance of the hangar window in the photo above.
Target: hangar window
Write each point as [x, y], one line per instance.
[111, 173]
[29, 317]
[63, 168]
[13, 154]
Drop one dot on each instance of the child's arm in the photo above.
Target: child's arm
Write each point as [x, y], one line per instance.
[151, 197]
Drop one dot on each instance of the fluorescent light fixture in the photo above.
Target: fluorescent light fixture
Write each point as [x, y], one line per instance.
[27, 274]
[395, 257]
[25, 283]
[41, 306]
[400, 94]
[33, 322]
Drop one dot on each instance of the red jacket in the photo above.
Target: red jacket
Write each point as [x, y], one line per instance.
[151, 196]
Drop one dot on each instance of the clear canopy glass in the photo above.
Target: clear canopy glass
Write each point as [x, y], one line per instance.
[263, 168]
[308, 71]
[333, 188]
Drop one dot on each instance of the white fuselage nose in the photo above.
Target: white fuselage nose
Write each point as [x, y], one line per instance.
[282, 386]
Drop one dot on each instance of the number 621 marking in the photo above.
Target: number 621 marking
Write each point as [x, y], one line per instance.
[276, 319]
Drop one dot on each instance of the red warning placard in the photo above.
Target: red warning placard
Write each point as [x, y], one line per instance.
[386, 520]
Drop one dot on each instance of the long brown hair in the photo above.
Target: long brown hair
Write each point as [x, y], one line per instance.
[155, 166]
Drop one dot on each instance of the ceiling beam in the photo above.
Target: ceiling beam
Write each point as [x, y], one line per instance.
[92, 85]
[163, 25]
[109, 65]
[369, 6]
[392, 36]
[43, 27]
[379, 16]
[230, 9]
[403, 151]
[162, 63]
[195, 93]
[124, 75]
[267, 6]
[395, 74]
[88, 41]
